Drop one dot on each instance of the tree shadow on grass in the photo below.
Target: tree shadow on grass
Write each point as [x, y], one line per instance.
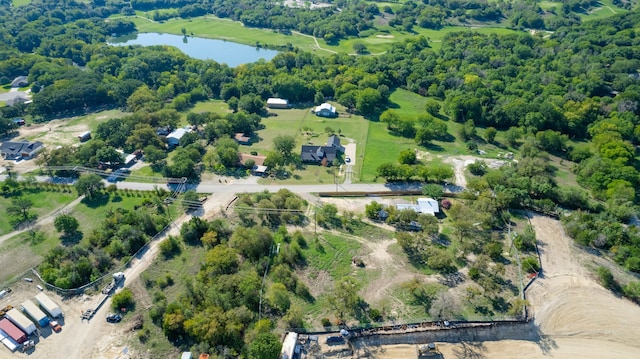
[96, 201]
[71, 239]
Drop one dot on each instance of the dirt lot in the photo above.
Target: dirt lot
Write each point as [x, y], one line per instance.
[575, 316]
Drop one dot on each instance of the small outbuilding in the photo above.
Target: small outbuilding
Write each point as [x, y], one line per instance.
[325, 110]
[186, 355]
[277, 103]
[241, 139]
[85, 136]
[259, 170]
[424, 206]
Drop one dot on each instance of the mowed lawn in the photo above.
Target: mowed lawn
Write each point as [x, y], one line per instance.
[384, 147]
[293, 121]
[214, 28]
[44, 203]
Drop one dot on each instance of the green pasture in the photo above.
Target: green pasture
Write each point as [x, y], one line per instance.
[44, 203]
[215, 28]
[17, 3]
[606, 9]
[215, 106]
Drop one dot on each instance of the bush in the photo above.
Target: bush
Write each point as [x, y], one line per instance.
[606, 278]
[325, 322]
[531, 265]
[375, 315]
[124, 299]
[170, 247]
[474, 273]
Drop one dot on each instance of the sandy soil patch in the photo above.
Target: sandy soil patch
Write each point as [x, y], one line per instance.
[385, 36]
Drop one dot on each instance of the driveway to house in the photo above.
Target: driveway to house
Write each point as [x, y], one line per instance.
[13, 94]
[350, 152]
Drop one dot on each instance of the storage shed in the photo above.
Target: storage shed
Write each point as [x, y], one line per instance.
[277, 103]
[48, 305]
[85, 136]
[35, 313]
[21, 321]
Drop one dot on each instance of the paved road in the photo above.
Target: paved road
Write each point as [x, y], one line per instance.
[245, 186]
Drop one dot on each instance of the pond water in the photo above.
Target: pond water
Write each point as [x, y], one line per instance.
[221, 51]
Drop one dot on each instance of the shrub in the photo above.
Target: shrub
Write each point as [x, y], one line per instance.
[124, 299]
[325, 322]
[531, 265]
[605, 277]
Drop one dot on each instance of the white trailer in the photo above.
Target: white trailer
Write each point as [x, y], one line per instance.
[35, 313]
[48, 305]
[21, 321]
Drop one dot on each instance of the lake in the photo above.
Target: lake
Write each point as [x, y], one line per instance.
[220, 51]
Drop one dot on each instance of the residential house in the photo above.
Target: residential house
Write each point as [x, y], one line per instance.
[424, 206]
[334, 141]
[321, 155]
[17, 150]
[324, 155]
[325, 110]
[242, 139]
[173, 139]
[277, 103]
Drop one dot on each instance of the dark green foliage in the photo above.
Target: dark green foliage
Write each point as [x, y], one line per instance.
[530, 264]
[265, 346]
[170, 247]
[606, 278]
[123, 299]
[525, 241]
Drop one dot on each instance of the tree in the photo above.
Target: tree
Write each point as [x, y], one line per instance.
[368, 101]
[490, 134]
[20, 207]
[360, 48]
[153, 154]
[345, 298]
[124, 299]
[432, 107]
[390, 118]
[407, 157]
[284, 144]
[66, 224]
[89, 185]
[606, 278]
[190, 200]
[433, 190]
[265, 346]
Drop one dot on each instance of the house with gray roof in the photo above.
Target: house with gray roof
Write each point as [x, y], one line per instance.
[20, 150]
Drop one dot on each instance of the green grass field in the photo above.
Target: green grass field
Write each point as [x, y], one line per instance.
[20, 2]
[214, 28]
[44, 203]
[606, 9]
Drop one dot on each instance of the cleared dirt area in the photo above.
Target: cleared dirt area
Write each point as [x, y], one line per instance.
[575, 316]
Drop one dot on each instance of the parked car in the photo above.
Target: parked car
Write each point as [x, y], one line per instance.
[114, 318]
[55, 326]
